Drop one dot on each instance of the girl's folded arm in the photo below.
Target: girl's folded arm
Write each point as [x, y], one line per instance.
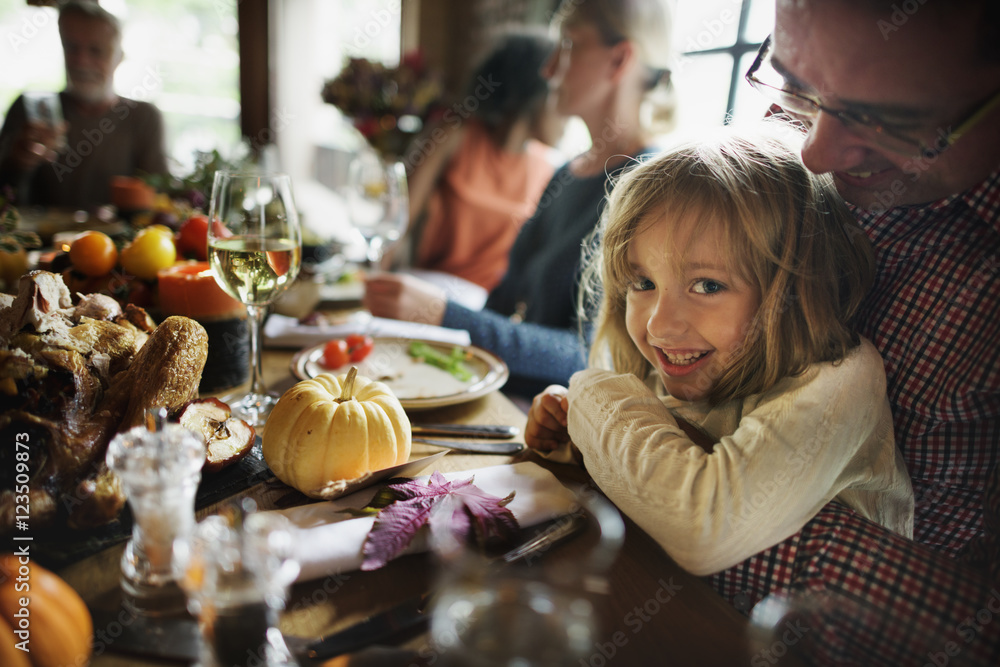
[760, 485]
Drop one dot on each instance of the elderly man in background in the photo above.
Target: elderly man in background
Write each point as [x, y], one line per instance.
[901, 103]
[71, 164]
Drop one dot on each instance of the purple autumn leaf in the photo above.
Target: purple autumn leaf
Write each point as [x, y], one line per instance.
[437, 485]
[490, 514]
[468, 511]
[394, 529]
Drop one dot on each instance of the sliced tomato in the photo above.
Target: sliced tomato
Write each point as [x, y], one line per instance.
[359, 346]
[335, 353]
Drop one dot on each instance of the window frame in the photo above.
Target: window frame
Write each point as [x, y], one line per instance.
[737, 50]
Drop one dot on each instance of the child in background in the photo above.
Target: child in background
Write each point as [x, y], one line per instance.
[740, 402]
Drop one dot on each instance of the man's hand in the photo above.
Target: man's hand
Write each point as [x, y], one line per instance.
[546, 428]
[35, 144]
[404, 297]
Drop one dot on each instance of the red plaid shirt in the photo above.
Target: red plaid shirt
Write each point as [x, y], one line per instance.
[933, 315]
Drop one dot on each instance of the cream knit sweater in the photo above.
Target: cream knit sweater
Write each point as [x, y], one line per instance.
[779, 457]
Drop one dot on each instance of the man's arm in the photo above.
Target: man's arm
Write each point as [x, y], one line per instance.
[886, 600]
[24, 146]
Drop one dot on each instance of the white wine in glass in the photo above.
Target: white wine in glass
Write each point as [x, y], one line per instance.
[255, 249]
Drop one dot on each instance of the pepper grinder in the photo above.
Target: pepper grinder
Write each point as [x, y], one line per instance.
[159, 465]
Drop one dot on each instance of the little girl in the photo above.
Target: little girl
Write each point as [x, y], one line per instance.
[740, 401]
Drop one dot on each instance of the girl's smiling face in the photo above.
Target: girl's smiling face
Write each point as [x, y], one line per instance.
[686, 310]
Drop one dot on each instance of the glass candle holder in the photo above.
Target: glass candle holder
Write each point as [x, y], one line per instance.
[160, 468]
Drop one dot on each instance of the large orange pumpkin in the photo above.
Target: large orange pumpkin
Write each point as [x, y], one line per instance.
[58, 622]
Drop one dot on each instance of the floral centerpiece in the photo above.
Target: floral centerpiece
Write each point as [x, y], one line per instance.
[387, 105]
[195, 188]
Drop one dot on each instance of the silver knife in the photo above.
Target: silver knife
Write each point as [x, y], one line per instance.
[498, 431]
[473, 446]
[178, 638]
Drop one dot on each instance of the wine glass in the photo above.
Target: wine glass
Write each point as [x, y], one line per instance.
[378, 203]
[255, 249]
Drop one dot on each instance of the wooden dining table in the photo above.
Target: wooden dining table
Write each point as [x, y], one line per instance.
[650, 612]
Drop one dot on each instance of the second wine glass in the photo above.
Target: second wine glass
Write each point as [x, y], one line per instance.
[378, 203]
[255, 249]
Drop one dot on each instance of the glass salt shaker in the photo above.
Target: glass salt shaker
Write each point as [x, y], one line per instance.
[160, 466]
[236, 568]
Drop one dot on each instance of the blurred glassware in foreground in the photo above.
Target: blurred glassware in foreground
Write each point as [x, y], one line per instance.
[45, 108]
[812, 627]
[487, 614]
[236, 568]
[159, 466]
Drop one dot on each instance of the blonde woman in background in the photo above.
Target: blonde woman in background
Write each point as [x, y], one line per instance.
[610, 69]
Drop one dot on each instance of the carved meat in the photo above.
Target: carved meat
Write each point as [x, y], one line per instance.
[97, 307]
[95, 499]
[41, 303]
[71, 377]
[166, 372]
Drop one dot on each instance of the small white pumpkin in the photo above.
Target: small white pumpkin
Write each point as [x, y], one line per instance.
[334, 428]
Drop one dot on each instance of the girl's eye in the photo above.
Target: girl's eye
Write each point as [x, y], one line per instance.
[642, 285]
[707, 286]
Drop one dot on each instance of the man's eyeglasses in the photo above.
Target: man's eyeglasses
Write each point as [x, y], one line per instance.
[904, 138]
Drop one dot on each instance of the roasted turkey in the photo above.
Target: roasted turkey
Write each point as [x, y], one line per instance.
[72, 375]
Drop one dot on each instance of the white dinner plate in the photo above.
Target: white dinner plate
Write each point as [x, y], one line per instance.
[417, 385]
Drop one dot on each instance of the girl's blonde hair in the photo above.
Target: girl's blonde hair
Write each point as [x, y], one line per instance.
[786, 232]
[648, 25]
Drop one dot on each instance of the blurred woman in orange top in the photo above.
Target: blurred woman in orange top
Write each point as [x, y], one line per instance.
[479, 172]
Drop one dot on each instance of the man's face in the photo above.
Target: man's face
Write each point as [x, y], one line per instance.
[92, 54]
[919, 71]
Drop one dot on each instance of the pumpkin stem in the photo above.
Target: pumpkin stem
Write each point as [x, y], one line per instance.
[347, 392]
